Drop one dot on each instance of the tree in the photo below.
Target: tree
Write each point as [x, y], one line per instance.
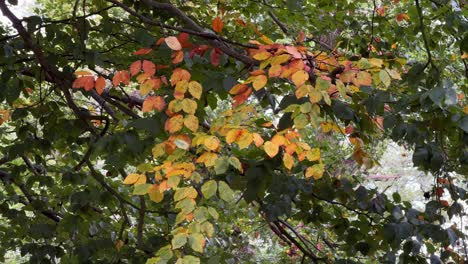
[138, 131]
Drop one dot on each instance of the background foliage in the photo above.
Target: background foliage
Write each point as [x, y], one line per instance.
[238, 123]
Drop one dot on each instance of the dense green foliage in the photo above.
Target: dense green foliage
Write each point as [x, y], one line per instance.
[375, 70]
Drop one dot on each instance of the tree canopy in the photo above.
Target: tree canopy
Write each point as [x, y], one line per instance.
[174, 131]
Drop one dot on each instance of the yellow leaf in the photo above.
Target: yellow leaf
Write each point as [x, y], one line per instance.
[195, 89]
[155, 194]
[313, 154]
[211, 143]
[180, 89]
[300, 77]
[288, 161]
[259, 82]
[316, 171]
[133, 178]
[208, 158]
[303, 90]
[189, 106]
[263, 55]
[315, 96]
[83, 73]
[271, 148]
[280, 59]
[191, 122]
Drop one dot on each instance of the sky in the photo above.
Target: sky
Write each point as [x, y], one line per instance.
[24, 8]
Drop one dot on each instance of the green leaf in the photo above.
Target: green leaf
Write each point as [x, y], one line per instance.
[197, 242]
[225, 192]
[385, 78]
[221, 165]
[209, 188]
[179, 241]
[141, 189]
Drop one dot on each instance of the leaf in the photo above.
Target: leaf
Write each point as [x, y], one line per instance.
[209, 188]
[179, 241]
[191, 122]
[179, 74]
[271, 148]
[149, 67]
[275, 71]
[141, 189]
[280, 59]
[363, 78]
[402, 16]
[135, 67]
[315, 171]
[259, 82]
[155, 194]
[313, 154]
[100, 85]
[385, 78]
[197, 242]
[262, 55]
[131, 178]
[189, 260]
[153, 102]
[225, 192]
[121, 77]
[195, 89]
[173, 43]
[142, 51]
[174, 124]
[86, 82]
[221, 165]
[300, 77]
[288, 161]
[211, 143]
[217, 24]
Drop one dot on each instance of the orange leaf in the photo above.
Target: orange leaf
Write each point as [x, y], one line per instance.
[258, 140]
[173, 43]
[300, 77]
[363, 78]
[174, 124]
[153, 102]
[217, 24]
[149, 67]
[177, 56]
[271, 148]
[142, 51]
[275, 71]
[178, 75]
[238, 89]
[301, 37]
[100, 84]
[259, 82]
[121, 77]
[87, 82]
[242, 97]
[135, 67]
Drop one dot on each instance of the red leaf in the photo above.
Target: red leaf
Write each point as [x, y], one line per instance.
[87, 82]
[142, 51]
[153, 102]
[214, 57]
[149, 67]
[199, 50]
[177, 57]
[135, 67]
[121, 77]
[217, 24]
[184, 40]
